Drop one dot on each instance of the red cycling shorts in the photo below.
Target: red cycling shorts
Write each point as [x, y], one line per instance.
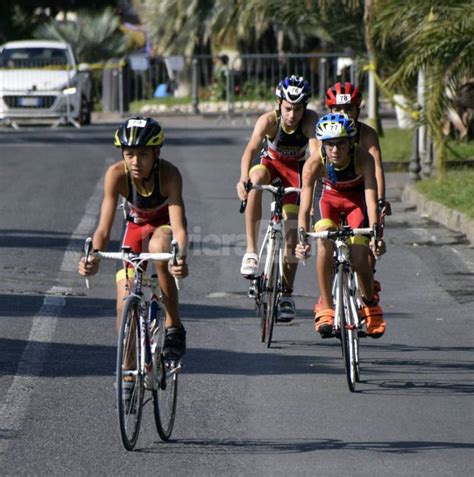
[333, 202]
[137, 237]
[289, 173]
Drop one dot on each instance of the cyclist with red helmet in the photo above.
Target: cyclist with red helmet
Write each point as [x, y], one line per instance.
[286, 134]
[154, 214]
[350, 186]
[345, 98]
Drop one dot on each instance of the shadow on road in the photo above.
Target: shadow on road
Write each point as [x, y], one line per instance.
[292, 446]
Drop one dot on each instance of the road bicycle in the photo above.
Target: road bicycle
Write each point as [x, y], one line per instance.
[347, 297]
[140, 364]
[266, 287]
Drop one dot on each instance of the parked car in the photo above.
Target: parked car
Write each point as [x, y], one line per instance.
[41, 79]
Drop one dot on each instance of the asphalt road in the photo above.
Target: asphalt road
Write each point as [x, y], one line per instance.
[243, 409]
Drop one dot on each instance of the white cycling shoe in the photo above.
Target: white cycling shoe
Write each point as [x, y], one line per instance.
[249, 266]
[286, 309]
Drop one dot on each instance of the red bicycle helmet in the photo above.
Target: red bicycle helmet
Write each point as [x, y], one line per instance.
[343, 93]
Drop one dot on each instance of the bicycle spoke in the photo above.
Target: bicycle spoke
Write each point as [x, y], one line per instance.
[130, 389]
[166, 395]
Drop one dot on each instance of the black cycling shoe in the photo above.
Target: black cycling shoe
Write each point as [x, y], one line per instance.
[175, 343]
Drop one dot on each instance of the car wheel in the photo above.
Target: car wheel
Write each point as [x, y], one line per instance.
[85, 114]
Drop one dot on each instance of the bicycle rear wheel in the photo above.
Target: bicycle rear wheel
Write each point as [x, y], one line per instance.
[272, 296]
[165, 397]
[348, 331]
[130, 386]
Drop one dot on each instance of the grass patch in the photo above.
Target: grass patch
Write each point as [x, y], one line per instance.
[455, 191]
[396, 145]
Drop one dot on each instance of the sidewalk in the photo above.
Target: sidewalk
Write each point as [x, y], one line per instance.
[450, 218]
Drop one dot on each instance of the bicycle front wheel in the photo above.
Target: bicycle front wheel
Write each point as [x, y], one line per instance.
[130, 386]
[272, 296]
[348, 331]
[165, 397]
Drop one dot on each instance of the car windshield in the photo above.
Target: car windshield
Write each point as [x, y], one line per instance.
[33, 57]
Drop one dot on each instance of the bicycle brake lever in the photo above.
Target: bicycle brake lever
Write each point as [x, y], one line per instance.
[174, 251]
[243, 203]
[87, 252]
[303, 239]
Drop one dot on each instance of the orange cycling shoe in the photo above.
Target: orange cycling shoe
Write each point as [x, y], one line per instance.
[374, 321]
[324, 322]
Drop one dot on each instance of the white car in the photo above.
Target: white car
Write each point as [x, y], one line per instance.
[41, 79]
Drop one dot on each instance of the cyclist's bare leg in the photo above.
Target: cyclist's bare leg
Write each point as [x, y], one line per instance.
[290, 263]
[122, 293]
[360, 263]
[253, 212]
[161, 242]
[324, 270]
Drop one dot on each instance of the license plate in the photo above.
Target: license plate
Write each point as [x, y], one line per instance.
[30, 101]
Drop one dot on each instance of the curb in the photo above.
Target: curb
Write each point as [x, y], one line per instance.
[450, 218]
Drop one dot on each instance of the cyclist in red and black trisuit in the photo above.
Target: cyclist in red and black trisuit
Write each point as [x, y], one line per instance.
[348, 186]
[286, 134]
[154, 214]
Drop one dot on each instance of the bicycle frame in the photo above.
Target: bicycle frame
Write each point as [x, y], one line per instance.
[268, 284]
[142, 328]
[346, 296]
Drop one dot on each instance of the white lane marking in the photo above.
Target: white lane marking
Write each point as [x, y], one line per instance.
[27, 378]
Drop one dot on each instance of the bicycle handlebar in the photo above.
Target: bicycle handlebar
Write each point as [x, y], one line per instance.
[341, 233]
[134, 259]
[270, 188]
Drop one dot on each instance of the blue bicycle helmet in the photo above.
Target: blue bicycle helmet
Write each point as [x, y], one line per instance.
[333, 126]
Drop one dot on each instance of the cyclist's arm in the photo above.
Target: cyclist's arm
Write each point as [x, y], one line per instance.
[174, 191]
[101, 236]
[370, 142]
[366, 168]
[108, 208]
[265, 125]
[311, 171]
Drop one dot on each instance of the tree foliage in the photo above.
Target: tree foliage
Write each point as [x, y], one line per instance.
[437, 39]
[94, 36]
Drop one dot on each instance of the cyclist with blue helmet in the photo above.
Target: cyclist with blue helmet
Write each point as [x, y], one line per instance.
[285, 134]
[350, 186]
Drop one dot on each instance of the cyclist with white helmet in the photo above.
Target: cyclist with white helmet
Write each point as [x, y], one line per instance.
[349, 186]
[285, 134]
[154, 214]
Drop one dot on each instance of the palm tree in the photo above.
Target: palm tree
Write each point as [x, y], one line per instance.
[95, 37]
[437, 39]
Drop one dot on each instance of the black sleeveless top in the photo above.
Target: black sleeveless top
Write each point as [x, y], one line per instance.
[146, 207]
[286, 145]
[345, 178]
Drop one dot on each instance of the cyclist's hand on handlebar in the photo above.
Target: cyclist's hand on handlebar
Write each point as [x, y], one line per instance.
[302, 251]
[385, 208]
[241, 188]
[378, 248]
[180, 270]
[89, 268]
